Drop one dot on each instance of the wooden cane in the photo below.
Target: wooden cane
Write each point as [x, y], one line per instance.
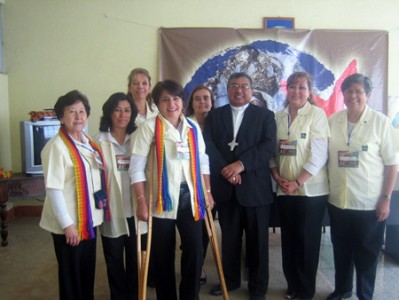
[138, 251]
[143, 257]
[210, 228]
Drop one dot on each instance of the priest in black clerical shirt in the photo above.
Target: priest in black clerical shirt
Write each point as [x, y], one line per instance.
[240, 141]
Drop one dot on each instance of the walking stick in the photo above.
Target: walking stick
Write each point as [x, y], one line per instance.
[210, 228]
[143, 257]
[138, 252]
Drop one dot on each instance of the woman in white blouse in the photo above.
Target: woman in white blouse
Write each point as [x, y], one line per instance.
[76, 197]
[362, 169]
[118, 236]
[179, 195]
[299, 170]
[139, 90]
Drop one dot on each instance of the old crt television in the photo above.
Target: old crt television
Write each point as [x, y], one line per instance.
[34, 135]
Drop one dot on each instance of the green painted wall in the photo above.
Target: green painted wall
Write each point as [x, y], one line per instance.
[52, 46]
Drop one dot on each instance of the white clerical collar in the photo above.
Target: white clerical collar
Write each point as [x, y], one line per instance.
[239, 108]
[238, 115]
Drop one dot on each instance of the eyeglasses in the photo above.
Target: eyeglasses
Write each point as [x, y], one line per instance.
[237, 86]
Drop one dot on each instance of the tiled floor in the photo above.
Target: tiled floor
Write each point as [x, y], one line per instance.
[28, 269]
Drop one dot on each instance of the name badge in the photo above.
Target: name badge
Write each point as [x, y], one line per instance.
[287, 148]
[348, 159]
[100, 198]
[122, 162]
[182, 151]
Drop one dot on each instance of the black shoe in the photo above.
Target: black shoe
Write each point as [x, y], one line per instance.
[339, 296]
[217, 290]
[253, 297]
[300, 296]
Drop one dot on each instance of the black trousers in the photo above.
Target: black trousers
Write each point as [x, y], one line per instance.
[76, 268]
[234, 219]
[164, 248]
[357, 239]
[121, 258]
[301, 220]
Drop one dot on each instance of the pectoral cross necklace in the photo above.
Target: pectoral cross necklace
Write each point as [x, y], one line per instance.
[232, 144]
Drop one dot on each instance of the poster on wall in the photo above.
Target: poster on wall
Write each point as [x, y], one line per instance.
[194, 56]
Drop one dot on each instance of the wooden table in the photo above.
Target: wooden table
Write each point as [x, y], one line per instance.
[18, 186]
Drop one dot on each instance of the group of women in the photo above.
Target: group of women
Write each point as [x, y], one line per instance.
[347, 163]
[88, 186]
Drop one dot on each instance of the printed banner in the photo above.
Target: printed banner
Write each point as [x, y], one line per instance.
[208, 56]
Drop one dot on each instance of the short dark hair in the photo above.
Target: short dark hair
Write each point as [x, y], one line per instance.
[357, 78]
[109, 107]
[189, 107]
[173, 87]
[238, 75]
[68, 99]
[309, 80]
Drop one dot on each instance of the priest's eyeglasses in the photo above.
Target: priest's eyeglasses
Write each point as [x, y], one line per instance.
[237, 86]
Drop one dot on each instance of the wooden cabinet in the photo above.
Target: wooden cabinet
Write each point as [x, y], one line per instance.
[18, 186]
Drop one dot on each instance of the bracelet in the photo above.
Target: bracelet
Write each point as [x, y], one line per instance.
[297, 182]
[139, 197]
[208, 190]
[386, 196]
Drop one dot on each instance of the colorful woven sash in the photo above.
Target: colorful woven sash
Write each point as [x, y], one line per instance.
[85, 220]
[199, 197]
[164, 201]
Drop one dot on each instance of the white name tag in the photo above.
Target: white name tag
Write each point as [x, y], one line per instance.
[287, 148]
[122, 162]
[182, 151]
[348, 159]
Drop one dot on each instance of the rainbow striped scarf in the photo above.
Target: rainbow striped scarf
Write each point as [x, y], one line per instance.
[85, 221]
[164, 201]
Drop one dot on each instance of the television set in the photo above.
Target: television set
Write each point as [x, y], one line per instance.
[34, 135]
